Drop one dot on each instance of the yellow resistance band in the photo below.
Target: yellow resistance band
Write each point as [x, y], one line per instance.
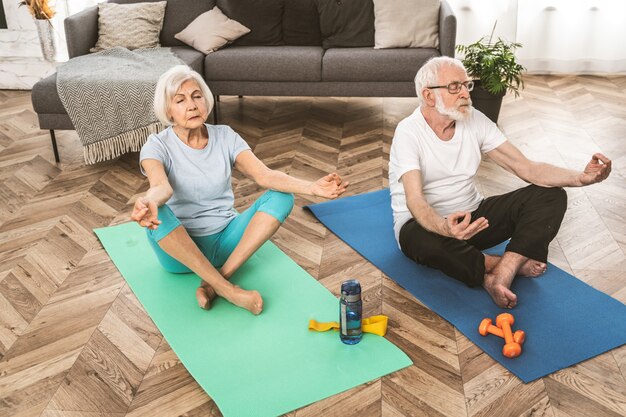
[374, 324]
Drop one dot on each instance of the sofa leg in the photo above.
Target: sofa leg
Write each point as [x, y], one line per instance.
[54, 146]
[240, 96]
[217, 99]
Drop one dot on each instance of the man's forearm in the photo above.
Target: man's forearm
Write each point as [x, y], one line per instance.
[547, 175]
[428, 218]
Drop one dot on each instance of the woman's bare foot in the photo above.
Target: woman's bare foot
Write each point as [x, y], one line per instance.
[532, 268]
[499, 291]
[205, 294]
[250, 300]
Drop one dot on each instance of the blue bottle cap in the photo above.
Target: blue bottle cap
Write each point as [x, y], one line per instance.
[350, 287]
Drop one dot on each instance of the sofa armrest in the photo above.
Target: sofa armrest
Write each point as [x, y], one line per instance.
[447, 29]
[81, 31]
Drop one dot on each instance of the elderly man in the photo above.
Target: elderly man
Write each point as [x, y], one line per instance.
[440, 218]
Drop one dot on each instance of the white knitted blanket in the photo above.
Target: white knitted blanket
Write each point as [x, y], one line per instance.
[108, 96]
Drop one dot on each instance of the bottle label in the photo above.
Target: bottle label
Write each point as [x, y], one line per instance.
[344, 319]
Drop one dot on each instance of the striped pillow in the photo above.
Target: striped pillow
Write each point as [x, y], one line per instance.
[132, 26]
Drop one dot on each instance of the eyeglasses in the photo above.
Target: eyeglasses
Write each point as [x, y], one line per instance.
[455, 87]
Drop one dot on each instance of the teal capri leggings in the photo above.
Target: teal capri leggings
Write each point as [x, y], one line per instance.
[218, 247]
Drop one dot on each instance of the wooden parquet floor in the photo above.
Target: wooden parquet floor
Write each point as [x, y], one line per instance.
[74, 340]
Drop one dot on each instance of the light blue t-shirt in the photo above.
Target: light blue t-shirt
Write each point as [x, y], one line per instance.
[203, 197]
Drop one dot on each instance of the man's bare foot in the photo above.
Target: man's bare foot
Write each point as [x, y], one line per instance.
[205, 294]
[532, 268]
[250, 300]
[499, 291]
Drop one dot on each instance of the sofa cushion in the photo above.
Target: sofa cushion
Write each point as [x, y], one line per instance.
[263, 18]
[211, 30]
[132, 26]
[194, 59]
[264, 63]
[346, 23]
[178, 14]
[301, 23]
[406, 23]
[367, 64]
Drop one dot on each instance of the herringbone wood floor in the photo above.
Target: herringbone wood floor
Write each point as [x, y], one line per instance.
[74, 340]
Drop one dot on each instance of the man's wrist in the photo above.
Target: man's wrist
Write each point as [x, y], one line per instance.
[444, 227]
[579, 180]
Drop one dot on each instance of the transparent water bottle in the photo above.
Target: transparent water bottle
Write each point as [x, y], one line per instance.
[350, 309]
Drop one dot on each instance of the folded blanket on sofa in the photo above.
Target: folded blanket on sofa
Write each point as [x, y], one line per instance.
[108, 96]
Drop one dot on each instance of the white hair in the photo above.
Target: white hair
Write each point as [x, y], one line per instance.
[168, 85]
[428, 75]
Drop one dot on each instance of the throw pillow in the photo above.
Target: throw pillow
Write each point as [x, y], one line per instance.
[210, 31]
[263, 17]
[132, 26]
[346, 23]
[178, 15]
[406, 23]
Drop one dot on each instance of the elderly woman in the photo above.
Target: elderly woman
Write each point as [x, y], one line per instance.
[188, 211]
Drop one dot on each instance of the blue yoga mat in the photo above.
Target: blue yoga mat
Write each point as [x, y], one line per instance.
[566, 321]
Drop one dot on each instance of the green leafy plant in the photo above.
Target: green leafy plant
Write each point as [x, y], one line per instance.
[494, 64]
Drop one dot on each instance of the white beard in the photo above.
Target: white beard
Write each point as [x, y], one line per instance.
[453, 113]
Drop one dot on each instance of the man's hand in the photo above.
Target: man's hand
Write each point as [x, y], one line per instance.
[458, 226]
[145, 212]
[596, 170]
[330, 186]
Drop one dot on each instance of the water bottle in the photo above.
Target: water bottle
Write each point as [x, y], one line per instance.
[350, 307]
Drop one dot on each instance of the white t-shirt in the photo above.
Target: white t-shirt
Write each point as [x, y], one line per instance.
[447, 167]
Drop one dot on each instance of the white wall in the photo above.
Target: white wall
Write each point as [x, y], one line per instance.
[75, 6]
[475, 19]
[561, 36]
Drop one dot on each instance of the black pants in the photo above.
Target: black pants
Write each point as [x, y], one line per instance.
[530, 217]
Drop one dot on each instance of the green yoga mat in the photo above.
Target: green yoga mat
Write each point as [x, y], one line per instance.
[264, 365]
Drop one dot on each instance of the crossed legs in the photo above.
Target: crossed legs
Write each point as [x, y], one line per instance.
[179, 245]
[530, 217]
[500, 272]
[262, 226]
[215, 258]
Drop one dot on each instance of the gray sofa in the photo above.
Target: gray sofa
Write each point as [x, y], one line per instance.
[265, 62]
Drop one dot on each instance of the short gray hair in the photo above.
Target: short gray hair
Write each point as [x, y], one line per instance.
[429, 73]
[168, 85]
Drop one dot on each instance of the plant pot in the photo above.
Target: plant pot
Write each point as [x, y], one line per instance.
[489, 104]
[47, 39]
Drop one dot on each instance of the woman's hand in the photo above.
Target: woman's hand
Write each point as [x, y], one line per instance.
[145, 212]
[331, 186]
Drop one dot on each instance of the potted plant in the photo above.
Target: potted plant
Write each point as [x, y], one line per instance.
[42, 12]
[495, 69]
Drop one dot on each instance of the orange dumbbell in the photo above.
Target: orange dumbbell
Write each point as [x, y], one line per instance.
[486, 327]
[511, 349]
